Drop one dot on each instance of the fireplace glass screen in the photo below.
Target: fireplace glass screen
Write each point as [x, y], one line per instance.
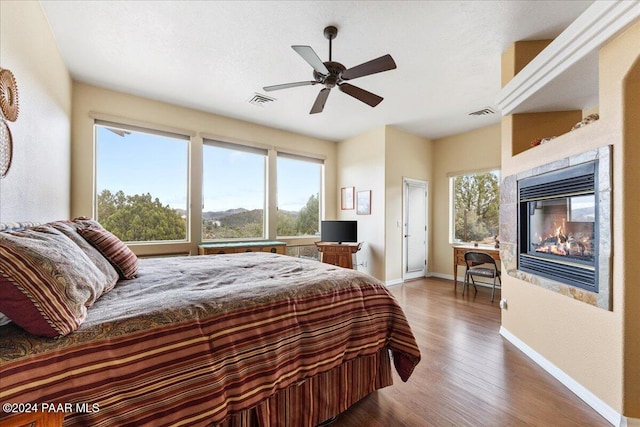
[563, 227]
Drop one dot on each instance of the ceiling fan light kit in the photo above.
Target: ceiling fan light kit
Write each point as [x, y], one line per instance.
[331, 74]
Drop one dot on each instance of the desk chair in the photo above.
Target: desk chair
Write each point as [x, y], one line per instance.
[483, 265]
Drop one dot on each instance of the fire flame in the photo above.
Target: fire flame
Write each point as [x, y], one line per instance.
[559, 242]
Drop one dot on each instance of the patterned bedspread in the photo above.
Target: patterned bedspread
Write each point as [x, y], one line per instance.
[195, 339]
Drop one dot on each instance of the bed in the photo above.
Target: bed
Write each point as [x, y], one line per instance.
[254, 339]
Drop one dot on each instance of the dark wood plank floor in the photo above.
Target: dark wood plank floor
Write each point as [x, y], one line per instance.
[469, 375]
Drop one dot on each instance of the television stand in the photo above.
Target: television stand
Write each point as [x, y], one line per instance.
[340, 254]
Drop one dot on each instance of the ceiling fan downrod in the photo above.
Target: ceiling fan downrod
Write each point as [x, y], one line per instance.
[330, 33]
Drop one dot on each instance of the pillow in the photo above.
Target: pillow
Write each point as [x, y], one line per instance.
[70, 230]
[85, 221]
[46, 281]
[119, 255]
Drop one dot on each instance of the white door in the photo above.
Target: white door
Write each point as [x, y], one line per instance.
[415, 228]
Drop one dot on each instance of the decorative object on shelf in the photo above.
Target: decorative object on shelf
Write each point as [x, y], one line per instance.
[346, 198]
[542, 141]
[8, 95]
[6, 148]
[587, 120]
[364, 203]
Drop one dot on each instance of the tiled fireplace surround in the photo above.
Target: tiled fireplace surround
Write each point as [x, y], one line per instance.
[509, 228]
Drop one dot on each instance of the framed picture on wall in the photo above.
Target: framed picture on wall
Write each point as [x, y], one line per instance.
[346, 198]
[363, 202]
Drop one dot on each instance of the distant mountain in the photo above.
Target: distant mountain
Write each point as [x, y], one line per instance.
[241, 218]
[216, 214]
[222, 214]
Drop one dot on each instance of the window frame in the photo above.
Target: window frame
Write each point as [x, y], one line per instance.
[154, 131]
[451, 177]
[195, 182]
[310, 158]
[247, 148]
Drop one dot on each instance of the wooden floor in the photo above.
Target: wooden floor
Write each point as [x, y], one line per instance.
[469, 375]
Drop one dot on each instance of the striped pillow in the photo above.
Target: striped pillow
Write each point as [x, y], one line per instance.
[70, 230]
[46, 281]
[119, 255]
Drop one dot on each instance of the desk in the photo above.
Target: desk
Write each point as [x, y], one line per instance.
[340, 254]
[458, 257]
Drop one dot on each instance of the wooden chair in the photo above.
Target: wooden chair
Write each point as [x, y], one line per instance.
[483, 265]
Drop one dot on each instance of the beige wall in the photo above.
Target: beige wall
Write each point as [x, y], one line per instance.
[37, 185]
[632, 226]
[88, 99]
[476, 150]
[593, 346]
[361, 164]
[406, 156]
[378, 160]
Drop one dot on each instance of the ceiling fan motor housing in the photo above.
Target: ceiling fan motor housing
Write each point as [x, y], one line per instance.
[333, 78]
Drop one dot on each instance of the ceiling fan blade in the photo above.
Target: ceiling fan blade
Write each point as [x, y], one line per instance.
[378, 65]
[309, 55]
[360, 94]
[288, 85]
[318, 106]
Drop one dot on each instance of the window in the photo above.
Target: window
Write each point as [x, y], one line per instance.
[299, 189]
[475, 202]
[233, 189]
[141, 182]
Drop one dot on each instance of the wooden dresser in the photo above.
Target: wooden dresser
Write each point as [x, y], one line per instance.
[237, 247]
[340, 254]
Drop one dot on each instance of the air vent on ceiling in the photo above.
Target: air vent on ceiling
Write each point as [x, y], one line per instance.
[484, 112]
[260, 100]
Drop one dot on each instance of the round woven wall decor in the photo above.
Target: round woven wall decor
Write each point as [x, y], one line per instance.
[8, 95]
[6, 148]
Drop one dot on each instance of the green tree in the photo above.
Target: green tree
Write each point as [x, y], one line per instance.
[139, 217]
[477, 206]
[307, 222]
[286, 224]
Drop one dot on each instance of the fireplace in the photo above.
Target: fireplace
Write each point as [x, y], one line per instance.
[558, 225]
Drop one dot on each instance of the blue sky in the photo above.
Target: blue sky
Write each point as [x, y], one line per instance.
[141, 163]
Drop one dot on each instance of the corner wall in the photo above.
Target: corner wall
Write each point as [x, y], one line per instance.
[37, 186]
[478, 149]
[407, 156]
[361, 164]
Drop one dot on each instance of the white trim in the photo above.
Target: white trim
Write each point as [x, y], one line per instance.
[234, 141]
[578, 389]
[601, 21]
[629, 422]
[443, 276]
[393, 282]
[304, 155]
[406, 181]
[473, 171]
[140, 123]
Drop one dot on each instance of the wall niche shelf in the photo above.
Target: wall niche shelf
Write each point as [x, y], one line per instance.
[564, 75]
[547, 96]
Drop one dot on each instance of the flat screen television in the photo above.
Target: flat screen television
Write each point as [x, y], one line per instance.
[339, 231]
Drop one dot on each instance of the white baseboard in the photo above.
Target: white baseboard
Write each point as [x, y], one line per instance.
[578, 389]
[393, 282]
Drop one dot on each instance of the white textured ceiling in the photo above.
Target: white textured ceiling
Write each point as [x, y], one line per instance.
[214, 55]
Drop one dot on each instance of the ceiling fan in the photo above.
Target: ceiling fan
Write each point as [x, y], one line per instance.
[331, 74]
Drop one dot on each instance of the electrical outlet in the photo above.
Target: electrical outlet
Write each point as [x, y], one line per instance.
[503, 304]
